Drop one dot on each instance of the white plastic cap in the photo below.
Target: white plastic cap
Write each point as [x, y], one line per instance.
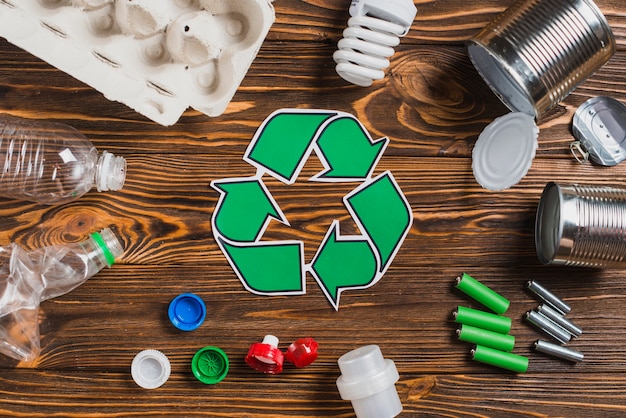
[368, 381]
[110, 172]
[150, 369]
[505, 150]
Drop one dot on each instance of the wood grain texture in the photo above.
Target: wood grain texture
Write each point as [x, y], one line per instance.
[431, 105]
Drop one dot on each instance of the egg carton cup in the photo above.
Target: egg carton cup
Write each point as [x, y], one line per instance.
[157, 57]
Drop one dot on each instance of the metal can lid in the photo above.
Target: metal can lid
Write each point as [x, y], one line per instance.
[187, 311]
[210, 365]
[600, 126]
[302, 352]
[505, 150]
[549, 223]
[150, 369]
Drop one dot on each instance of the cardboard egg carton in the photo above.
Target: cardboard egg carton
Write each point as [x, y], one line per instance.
[156, 56]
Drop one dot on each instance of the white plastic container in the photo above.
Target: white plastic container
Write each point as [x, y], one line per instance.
[368, 381]
[157, 57]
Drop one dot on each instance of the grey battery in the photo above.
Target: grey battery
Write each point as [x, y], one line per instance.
[547, 326]
[560, 320]
[558, 351]
[548, 297]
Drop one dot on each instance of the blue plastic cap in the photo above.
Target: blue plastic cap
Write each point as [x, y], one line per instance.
[187, 311]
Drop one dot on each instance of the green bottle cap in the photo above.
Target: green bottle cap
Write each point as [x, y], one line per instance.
[210, 365]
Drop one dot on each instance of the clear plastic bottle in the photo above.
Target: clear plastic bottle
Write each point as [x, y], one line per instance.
[28, 278]
[52, 163]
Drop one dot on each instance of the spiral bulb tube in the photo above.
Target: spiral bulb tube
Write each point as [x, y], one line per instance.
[373, 31]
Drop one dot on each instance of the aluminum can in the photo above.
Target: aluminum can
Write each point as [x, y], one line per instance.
[579, 225]
[537, 52]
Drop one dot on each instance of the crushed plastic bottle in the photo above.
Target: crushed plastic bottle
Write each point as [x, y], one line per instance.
[28, 278]
[52, 163]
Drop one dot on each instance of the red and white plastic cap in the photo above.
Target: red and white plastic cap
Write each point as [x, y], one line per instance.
[265, 356]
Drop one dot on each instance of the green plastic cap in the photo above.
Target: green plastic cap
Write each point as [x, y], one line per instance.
[210, 365]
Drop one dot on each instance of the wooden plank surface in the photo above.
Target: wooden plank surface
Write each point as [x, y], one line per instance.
[432, 105]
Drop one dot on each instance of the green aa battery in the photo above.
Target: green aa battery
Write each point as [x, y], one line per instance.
[482, 319]
[482, 294]
[502, 359]
[483, 337]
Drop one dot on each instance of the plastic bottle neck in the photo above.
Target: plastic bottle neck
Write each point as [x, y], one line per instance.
[106, 248]
[110, 172]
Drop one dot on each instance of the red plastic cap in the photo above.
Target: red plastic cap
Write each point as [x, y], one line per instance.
[302, 352]
[265, 358]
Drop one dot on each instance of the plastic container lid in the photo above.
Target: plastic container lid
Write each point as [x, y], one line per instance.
[505, 150]
[150, 369]
[210, 365]
[187, 311]
[266, 357]
[302, 352]
[600, 126]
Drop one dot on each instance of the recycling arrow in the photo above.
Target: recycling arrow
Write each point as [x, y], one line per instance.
[245, 209]
[383, 214]
[343, 263]
[280, 148]
[359, 261]
[347, 151]
[284, 141]
[268, 268]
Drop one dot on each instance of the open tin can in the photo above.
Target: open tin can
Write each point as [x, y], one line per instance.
[532, 56]
[537, 52]
[581, 226]
[599, 126]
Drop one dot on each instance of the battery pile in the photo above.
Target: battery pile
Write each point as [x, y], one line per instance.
[489, 332]
[550, 318]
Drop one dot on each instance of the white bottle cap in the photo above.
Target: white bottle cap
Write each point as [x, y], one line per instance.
[505, 150]
[110, 172]
[150, 369]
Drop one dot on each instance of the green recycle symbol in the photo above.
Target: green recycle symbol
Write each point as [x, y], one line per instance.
[280, 148]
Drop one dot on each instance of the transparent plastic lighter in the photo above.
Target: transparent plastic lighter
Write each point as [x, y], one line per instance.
[52, 163]
[28, 278]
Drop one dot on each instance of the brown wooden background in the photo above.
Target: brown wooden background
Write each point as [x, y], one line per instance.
[432, 105]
